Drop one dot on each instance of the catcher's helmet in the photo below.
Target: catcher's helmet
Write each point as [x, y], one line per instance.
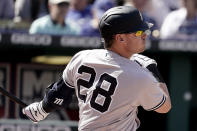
[122, 19]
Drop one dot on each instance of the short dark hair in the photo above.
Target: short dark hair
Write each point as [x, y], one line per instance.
[108, 41]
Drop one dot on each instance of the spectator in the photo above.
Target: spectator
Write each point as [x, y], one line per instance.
[181, 23]
[158, 10]
[151, 9]
[99, 7]
[81, 14]
[142, 5]
[54, 23]
[29, 10]
[6, 9]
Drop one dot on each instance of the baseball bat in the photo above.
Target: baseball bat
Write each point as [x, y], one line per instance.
[12, 97]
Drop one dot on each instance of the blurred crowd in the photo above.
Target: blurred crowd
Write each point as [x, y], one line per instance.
[175, 19]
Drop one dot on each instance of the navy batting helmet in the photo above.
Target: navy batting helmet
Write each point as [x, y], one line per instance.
[122, 19]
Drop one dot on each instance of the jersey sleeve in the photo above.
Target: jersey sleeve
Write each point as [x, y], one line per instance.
[152, 96]
[70, 70]
[59, 94]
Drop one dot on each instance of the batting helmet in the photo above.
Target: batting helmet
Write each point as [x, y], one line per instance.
[122, 19]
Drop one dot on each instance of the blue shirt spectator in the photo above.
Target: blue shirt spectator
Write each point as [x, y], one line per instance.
[87, 16]
[45, 25]
[98, 9]
[100, 6]
[142, 5]
[189, 27]
[80, 17]
[80, 13]
[55, 23]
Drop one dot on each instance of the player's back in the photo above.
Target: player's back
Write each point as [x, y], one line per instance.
[107, 86]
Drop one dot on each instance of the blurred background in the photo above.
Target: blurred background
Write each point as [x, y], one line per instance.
[39, 37]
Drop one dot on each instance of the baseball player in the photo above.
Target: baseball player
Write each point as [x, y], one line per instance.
[109, 83]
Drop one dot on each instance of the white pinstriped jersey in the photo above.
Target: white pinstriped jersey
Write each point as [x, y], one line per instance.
[109, 90]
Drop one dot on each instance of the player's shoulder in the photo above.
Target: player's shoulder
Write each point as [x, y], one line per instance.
[143, 74]
[148, 78]
[85, 54]
[89, 52]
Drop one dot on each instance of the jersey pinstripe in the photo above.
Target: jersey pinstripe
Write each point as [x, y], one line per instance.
[109, 90]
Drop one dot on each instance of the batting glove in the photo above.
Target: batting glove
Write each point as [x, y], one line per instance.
[142, 60]
[148, 63]
[35, 112]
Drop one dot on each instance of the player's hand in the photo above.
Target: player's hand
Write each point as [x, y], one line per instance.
[35, 112]
[142, 60]
[148, 63]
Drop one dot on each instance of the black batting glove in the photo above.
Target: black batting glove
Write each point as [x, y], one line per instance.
[148, 63]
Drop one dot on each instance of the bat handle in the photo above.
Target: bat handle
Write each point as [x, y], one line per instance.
[12, 97]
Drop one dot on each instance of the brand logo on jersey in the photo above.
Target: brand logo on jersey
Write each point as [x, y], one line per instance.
[58, 101]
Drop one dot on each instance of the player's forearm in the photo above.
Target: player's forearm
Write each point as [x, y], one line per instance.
[58, 95]
[167, 105]
[165, 90]
[153, 68]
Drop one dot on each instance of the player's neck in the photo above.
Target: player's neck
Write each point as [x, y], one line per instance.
[120, 51]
